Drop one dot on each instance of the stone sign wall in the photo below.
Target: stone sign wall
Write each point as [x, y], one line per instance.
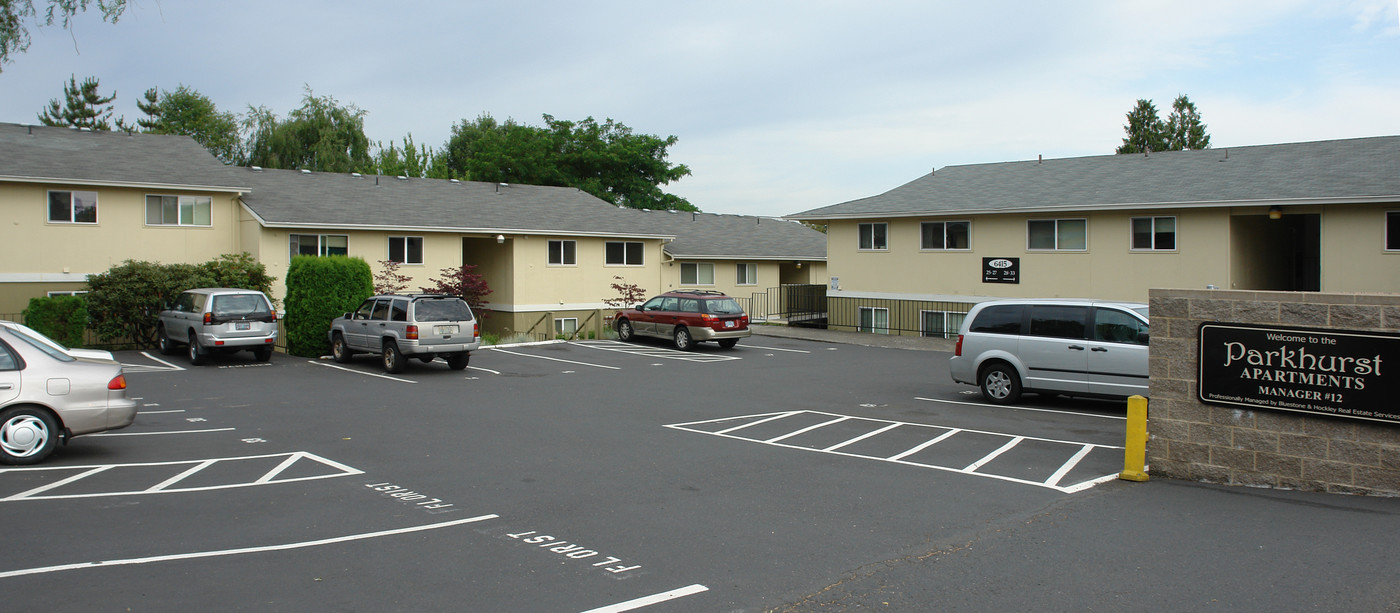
[1261, 446]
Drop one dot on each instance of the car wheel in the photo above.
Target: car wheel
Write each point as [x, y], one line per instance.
[459, 361]
[624, 330]
[262, 354]
[197, 354]
[393, 360]
[340, 352]
[27, 435]
[683, 340]
[729, 343]
[1000, 383]
[167, 346]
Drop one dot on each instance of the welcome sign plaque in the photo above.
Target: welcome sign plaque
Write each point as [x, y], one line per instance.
[1333, 372]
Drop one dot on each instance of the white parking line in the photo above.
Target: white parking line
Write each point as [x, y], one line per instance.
[647, 601]
[160, 433]
[361, 372]
[234, 552]
[526, 355]
[776, 348]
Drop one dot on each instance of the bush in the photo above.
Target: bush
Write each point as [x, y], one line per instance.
[61, 318]
[320, 289]
[125, 302]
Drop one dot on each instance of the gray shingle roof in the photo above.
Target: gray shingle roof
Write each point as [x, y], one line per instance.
[67, 155]
[1352, 170]
[706, 235]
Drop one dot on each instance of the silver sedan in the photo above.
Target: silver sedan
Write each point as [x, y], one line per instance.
[48, 396]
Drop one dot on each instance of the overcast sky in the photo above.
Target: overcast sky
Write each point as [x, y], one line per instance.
[780, 107]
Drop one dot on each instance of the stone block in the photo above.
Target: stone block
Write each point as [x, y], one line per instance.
[1167, 429]
[1278, 421]
[1390, 457]
[1303, 446]
[1167, 306]
[1335, 428]
[1206, 472]
[1303, 314]
[1390, 317]
[1211, 310]
[1249, 478]
[1378, 299]
[1351, 452]
[1350, 316]
[1302, 485]
[1255, 440]
[1230, 416]
[1330, 472]
[1283, 466]
[1382, 479]
[1373, 432]
[1189, 411]
[1256, 312]
[1209, 434]
[1236, 459]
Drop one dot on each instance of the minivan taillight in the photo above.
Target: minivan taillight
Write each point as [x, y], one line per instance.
[411, 332]
[208, 318]
[957, 349]
[117, 383]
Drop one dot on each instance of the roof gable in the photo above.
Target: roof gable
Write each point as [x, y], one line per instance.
[99, 157]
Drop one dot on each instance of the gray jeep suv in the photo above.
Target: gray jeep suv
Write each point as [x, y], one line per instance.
[397, 327]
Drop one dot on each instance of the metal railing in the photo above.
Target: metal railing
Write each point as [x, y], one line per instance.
[791, 303]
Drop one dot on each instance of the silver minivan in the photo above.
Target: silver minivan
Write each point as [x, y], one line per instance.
[1070, 347]
[222, 319]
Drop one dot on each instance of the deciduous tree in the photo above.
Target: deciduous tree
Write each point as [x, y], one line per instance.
[322, 135]
[190, 113]
[462, 283]
[14, 33]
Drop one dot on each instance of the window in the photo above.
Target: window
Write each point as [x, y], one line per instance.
[999, 319]
[179, 211]
[748, 274]
[1392, 231]
[563, 253]
[566, 327]
[944, 234]
[874, 319]
[72, 207]
[1057, 321]
[697, 274]
[1118, 327]
[622, 254]
[320, 244]
[1057, 234]
[1154, 233]
[406, 249]
[67, 293]
[941, 324]
[872, 236]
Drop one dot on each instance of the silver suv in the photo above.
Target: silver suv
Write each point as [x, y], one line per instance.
[1071, 347]
[397, 327]
[223, 319]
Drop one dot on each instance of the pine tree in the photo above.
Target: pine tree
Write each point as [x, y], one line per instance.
[1146, 131]
[82, 107]
[1184, 127]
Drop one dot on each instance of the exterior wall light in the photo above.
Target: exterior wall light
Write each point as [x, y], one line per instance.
[500, 239]
[1275, 212]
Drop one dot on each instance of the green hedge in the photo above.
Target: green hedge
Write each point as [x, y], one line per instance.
[320, 289]
[125, 302]
[61, 318]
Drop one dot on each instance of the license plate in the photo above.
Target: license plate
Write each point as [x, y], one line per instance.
[729, 324]
[445, 329]
[242, 325]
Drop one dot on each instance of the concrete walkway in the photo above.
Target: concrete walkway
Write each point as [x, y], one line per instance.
[888, 341]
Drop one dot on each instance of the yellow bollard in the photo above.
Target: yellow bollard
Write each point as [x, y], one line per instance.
[1135, 447]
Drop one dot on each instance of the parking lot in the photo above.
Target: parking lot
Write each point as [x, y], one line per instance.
[582, 476]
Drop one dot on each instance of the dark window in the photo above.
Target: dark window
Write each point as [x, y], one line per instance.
[653, 305]
[690, 305]
[406, 249]
[1392, 231]
[438, 309]
[999, 319]
[944, 234]
[563, 253]
[721, 306]
[381, 310]
[73, 207]
[1057, 321]
[873, 236]
[1115, 326]
[398, 310]
[365, 309]
[8, 361]
[622, 254]
[1154, 233]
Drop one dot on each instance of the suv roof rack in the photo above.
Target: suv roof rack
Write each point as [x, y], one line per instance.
[704, 292]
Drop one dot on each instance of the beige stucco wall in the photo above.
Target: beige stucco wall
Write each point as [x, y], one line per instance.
[37, 256]
[1354, 258]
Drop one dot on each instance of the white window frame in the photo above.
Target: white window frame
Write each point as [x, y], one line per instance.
[562, 330]
[698, 276]
[1391, 217]
[1057, 223]
[76, 292]
[883, 245]
[406, 251]
[322, 246]
[192, 204]
[875, 327]
[626, 252]
[1153, 219]
[747, 274]
[72, 207]
[945, 247]
[568, 253]
[948, 330]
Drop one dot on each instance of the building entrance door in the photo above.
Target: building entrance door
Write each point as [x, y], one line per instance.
[1283, 254]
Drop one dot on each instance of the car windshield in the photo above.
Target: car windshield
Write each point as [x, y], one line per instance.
[723, 306]
[236, 305]
[50, 347]
[439, 309]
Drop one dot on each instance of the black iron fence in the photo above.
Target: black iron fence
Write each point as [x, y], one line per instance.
[796, 304]
[897, 316]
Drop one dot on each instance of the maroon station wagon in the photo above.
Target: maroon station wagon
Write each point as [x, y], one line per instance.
[686, 317]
